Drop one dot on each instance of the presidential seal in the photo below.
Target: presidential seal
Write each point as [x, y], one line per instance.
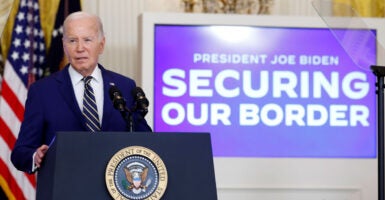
[136, 173]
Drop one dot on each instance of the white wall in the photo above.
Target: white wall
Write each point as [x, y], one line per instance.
[267, 179]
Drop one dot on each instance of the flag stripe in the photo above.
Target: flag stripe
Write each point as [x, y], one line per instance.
[9, 118]
[7, 135]
[12, 100]
[15, 177]
[10, 187]
[15, 82]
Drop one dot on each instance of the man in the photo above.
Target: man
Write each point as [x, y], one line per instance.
[56, 103]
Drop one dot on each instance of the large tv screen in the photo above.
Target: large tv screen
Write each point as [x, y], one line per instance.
[265, 91]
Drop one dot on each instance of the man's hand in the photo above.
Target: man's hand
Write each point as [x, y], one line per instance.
[39, 155]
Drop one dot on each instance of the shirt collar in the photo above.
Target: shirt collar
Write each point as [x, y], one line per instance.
[76, 77]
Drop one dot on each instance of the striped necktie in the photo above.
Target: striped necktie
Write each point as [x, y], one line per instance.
[90, 110]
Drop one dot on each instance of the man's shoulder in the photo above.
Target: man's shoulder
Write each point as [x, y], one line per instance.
[49, 81]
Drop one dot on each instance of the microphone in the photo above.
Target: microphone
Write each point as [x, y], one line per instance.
[117, 99]
[120, 104]
[141, 100]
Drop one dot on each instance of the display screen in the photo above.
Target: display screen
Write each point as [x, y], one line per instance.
[266, 91]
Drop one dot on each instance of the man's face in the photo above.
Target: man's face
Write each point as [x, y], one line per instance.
[82, 44]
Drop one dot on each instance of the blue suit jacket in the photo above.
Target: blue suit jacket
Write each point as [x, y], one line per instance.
[51, 106]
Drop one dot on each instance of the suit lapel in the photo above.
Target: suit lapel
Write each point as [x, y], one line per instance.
[107, 104]
[68, 94]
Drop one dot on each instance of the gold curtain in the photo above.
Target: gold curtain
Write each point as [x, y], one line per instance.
[364, 8]
[48, 10]
[5, 8]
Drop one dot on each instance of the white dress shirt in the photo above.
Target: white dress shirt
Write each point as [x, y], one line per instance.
[96, 84]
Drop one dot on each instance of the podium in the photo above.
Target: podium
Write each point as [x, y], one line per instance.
[75, 165]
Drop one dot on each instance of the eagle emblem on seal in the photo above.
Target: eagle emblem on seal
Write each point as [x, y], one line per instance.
[136, 175]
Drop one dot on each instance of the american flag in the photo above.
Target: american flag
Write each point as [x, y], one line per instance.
[23, 66]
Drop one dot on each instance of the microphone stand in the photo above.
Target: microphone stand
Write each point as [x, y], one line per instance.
[379, 71]
[127, 116]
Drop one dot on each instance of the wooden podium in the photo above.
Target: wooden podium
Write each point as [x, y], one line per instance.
[75, 165]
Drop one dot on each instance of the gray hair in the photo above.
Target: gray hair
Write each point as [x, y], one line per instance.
[82, 14]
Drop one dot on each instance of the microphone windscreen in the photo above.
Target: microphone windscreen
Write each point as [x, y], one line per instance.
[113, 92]
[139, 96]
[137, 92]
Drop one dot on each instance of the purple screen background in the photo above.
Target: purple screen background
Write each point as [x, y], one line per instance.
[175, 46]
